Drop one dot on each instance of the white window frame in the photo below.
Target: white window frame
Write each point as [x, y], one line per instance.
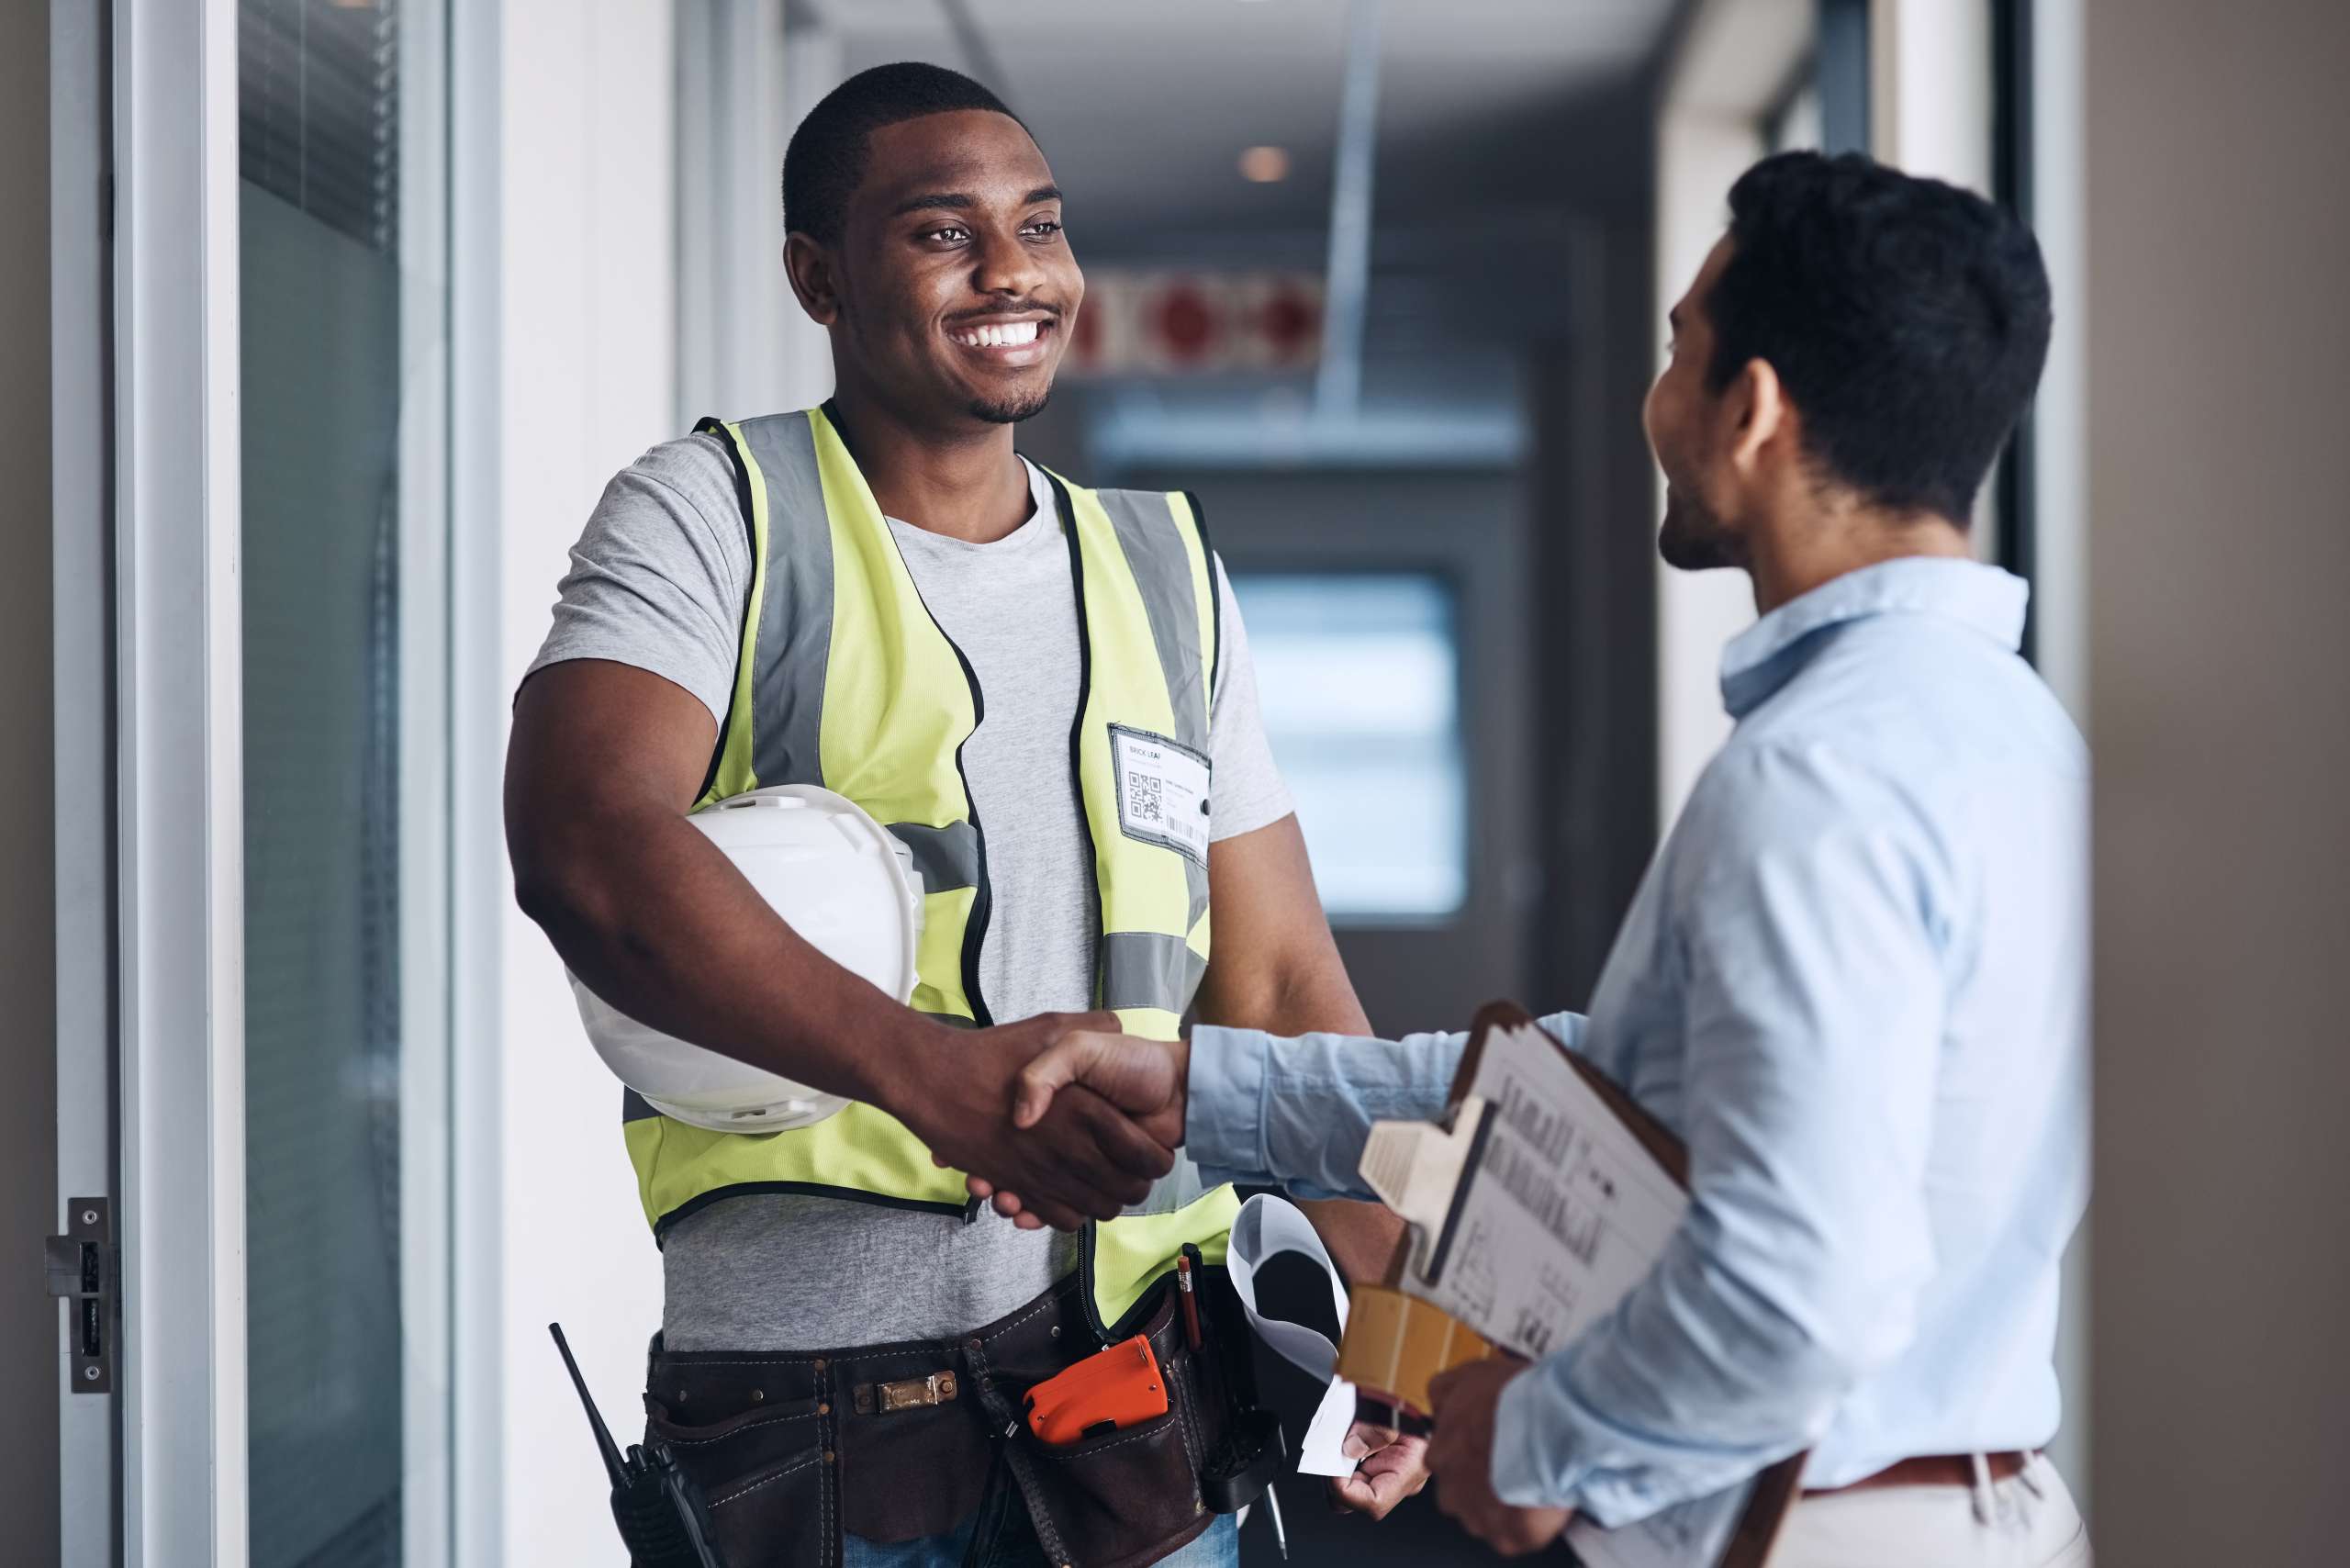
[178, 672]
[477, 759]
[426, 730]
[150, 725]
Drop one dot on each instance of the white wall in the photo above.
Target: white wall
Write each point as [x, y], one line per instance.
[2060, 577]
[1930, 89]
[585, 326]
[746, 77]
[2060, 591]
[2218, 372]
[1733, 58]
[1930, 113]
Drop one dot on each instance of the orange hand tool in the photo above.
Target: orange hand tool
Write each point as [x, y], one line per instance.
[1120, 1387]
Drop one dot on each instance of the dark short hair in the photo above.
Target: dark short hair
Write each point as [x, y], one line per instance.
[1907, 318]
[825, 161]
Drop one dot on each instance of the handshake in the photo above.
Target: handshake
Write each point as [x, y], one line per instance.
[1056, 1119]
[1062, 1118]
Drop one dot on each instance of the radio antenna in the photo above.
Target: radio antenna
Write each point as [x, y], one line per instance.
[604, 1443]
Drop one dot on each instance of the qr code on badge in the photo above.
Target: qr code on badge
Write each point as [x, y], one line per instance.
[1143, 798]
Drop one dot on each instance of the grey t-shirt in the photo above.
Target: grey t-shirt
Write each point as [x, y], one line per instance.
[659, 580]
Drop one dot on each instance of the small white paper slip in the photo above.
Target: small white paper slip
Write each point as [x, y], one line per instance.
[1264, 1227]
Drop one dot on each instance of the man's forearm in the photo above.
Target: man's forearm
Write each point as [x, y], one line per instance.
[1361, 1237]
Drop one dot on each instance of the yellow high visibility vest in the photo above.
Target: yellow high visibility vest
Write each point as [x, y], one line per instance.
[844, 680]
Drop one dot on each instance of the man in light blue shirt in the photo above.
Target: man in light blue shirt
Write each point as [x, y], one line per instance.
[1853, 979]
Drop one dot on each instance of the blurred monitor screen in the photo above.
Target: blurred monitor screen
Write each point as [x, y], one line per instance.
[1358, 673]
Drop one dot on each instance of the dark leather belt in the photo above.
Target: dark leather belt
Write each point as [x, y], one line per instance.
[1931, 1470]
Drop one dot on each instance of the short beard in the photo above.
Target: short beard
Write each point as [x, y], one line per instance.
[1694, 540]
[1013, 412]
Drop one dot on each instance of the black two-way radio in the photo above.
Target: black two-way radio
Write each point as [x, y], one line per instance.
[660, 1515]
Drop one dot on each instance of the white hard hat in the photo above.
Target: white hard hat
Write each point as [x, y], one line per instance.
[840, 881]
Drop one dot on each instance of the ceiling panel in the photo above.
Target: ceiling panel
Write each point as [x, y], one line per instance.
[1145, 106]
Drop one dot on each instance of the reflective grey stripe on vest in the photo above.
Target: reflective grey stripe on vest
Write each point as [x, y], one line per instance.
[946, 858]
[1148, 969]
[795, 617]
[1162, 568]
[1148, 533]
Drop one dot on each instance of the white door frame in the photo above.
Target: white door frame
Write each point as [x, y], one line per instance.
[179, 807]
[148, 736]
[478, 63]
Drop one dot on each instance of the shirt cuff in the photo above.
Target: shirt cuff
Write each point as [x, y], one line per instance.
[1224, 1119]
[1533, 1434]
[1548, 1455]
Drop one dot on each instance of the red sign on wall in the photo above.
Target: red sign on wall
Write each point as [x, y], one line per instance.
[1182, 323]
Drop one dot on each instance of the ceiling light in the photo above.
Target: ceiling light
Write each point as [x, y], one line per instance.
[1264, 165]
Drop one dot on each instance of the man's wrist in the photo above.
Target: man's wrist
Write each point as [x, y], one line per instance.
[910, 1054]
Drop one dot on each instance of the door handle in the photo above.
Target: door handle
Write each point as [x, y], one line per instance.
[80, 1266]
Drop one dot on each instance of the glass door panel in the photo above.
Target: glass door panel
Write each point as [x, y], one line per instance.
[343, 421]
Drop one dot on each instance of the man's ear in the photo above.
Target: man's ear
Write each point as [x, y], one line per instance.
[1758, 404]
[811, 272]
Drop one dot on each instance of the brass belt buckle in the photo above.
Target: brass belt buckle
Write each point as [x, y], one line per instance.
[907, 1394]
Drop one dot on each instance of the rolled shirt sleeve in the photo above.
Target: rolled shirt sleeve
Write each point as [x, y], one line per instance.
[1274, 1111]
[1293, 1113]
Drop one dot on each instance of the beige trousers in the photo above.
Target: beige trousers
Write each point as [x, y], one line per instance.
[2028, 1521]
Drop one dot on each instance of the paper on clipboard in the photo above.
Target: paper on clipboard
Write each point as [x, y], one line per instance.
[1562, 1211]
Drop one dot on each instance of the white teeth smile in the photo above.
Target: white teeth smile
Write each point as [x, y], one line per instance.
[1010, 335]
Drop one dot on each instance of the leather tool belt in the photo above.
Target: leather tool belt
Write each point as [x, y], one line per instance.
[895, 1443]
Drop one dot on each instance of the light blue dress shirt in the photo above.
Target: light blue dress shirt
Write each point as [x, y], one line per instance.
[1854, 980]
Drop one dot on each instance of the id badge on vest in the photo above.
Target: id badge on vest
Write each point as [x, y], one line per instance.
[1162, 791]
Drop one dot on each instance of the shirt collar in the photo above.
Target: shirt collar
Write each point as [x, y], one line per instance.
[1984, 598]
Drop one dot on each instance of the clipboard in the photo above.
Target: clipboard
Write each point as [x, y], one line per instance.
[1771, 1494]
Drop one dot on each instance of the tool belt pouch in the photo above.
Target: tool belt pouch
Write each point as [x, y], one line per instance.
[760, 1457]
[1248, 1454]
[1122, 1497]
